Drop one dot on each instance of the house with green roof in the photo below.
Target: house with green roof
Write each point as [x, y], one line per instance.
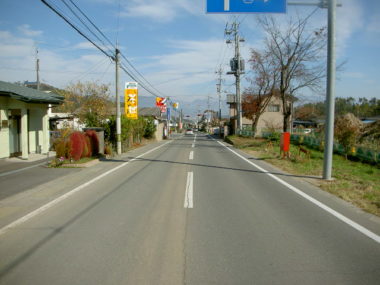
[24, 120]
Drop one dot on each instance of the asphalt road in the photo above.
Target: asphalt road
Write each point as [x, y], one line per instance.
[189, 212]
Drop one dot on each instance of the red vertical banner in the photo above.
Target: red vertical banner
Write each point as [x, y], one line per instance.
[285, 141]
[285, 144]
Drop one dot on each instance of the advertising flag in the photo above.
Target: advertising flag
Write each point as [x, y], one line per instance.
[131, 100]
[160, 101]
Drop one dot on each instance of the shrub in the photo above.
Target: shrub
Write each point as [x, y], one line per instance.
[108, 149]
[62, 148]
[150, 128]
[347, 131]
[62, 143]
[87, 150]
[77, 142]
[94, 142]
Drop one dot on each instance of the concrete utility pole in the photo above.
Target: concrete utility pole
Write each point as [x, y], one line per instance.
[118, 119]
[330, 96]
[330, 92]
[236, 69]
[218, 90]
[38, 69]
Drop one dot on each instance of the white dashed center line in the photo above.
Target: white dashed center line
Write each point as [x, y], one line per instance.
[189, 191]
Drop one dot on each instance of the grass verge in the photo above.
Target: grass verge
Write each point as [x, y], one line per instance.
[355, 182]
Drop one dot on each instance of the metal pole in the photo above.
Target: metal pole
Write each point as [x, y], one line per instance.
[118, 120]
[238, 98]
[330, 96]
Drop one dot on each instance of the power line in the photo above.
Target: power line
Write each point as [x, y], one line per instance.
[93, 24]
[84, 24]
[76, 29]
[134, 73]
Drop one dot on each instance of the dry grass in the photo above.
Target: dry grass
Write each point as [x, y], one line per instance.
[355, 182]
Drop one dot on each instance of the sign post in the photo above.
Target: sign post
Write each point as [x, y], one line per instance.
[246, 6]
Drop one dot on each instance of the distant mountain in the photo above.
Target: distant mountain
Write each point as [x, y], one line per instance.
[144, 101]
[188, 108]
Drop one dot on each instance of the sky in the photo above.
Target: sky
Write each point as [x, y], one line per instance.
[175, 45]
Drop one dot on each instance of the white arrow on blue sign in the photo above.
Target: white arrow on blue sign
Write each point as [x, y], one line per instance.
[246, 6]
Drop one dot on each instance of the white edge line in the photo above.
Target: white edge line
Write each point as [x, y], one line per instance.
[344, 219]
[70, 193]
[189, 191]
[21, 169]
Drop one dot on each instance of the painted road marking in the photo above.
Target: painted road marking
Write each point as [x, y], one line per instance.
[71, 192]
[189, 191]
[193, 145]
[191, 155]
[21, 169]
[336, 214]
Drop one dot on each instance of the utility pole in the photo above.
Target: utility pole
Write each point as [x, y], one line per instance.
[237, 68]
[38, 69]
[330, 92]
[330, 96]
[208, 117]
[118, 119]
[218, 90]
[180, 120]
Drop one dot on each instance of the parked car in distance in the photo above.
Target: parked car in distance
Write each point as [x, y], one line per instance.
[189, 132]
[307, 131]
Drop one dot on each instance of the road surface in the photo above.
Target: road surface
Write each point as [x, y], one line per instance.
[190, 211]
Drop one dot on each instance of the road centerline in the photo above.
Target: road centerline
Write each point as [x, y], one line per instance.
[189, 191]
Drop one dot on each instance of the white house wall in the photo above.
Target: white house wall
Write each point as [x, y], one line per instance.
[4, 132]
[35, 135]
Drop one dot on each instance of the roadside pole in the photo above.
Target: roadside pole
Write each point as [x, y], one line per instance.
[330, 85]
[118, 120]
[330, 88]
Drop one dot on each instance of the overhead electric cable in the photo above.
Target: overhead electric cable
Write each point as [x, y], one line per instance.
[92, 23]
[77, 29]
[86, 26]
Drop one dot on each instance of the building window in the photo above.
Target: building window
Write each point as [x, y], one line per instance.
[273, 108]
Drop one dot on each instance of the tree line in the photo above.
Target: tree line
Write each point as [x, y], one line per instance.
[361, 108]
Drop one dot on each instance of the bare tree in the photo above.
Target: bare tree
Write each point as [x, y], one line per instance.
[257, 97]
[299, 56]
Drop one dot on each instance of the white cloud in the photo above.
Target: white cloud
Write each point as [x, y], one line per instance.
[17, 63]
[350, 19]
[27, 31]
[355, 75]
[186, 71]
[162, 11]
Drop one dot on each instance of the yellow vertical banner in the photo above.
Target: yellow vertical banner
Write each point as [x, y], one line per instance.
[131, 100]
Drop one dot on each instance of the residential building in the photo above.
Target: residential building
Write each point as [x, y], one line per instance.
[271, 118]
[24, 127]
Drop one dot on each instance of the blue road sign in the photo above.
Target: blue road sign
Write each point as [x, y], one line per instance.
[168, 115]
[246, 6]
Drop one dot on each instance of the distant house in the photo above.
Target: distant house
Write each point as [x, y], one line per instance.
[272, 117]
[24, 120]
